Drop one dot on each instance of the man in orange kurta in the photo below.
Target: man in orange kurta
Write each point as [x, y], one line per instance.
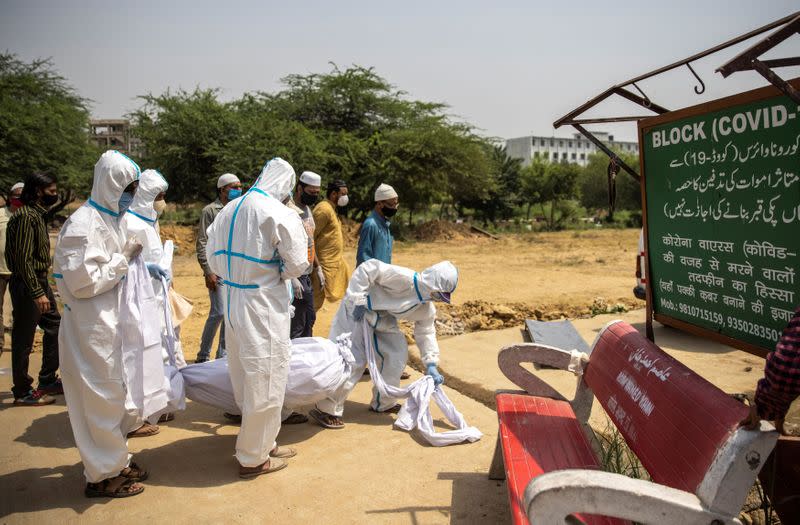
[330, 283]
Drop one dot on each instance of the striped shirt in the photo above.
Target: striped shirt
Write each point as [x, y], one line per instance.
[28, 247]
[781, 383]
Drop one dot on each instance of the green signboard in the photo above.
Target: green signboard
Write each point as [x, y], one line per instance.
[722, 210]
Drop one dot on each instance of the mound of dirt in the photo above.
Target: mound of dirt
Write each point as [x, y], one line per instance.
[184, 237]
[432, 231]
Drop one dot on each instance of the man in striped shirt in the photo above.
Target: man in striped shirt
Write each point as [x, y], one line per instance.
[781, 382]
[28, 258]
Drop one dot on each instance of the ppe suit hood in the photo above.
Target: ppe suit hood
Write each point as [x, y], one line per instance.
[441, 277]
[112, 174]
[151, 183]
[277, 178]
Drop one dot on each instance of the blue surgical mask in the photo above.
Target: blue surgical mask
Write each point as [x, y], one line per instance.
[234, 193]
[125, 202]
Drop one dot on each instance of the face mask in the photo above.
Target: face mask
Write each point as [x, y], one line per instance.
[234, 193]
[159, 207]
[308, 199]
[343, 201]
[48, 200]
[16, 203]
[440, 297]
[389, 212]
[125, 202]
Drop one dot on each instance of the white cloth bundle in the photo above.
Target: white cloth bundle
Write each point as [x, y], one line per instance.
[416, 411]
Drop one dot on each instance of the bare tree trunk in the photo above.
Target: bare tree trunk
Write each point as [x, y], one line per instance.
[528, 215]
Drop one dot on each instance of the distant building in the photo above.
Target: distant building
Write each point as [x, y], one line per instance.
[114, 134]
[555, 149]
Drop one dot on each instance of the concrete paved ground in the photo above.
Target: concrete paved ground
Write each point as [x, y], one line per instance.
[366, 473]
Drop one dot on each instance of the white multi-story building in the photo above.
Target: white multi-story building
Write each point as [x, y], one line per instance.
[559, 149]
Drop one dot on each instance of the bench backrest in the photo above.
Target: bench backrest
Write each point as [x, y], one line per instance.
[672, 419]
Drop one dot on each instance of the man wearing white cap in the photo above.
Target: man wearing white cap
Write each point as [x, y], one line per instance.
[375, 240]
[229, 187]
[306, 194]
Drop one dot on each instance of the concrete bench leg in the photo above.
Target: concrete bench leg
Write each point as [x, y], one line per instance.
[497, 470]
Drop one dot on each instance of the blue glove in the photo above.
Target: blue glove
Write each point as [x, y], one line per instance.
[432, 371]
[359, 311]
[156, 271]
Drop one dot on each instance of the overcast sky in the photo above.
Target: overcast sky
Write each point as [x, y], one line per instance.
[509, 68]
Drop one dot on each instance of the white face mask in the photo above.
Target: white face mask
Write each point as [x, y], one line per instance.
[159, 207]
[343, 200]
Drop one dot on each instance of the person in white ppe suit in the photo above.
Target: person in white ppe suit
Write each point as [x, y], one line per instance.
[256, 244]
[91, 259]
[382, 294]
[141, 220]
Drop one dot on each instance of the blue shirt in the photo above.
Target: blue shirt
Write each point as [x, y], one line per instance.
[375, 240]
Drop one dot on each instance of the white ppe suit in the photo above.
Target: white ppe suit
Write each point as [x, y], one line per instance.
[389, 293]
[141, 220]
[88, 267]
[255, 244]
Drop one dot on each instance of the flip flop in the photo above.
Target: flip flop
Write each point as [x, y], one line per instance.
[272, 465]
[145, 430]
[391, 410]
[295, 418]
[282, 452]
[320, 418]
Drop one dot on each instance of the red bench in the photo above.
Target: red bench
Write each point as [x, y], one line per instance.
[683, 429]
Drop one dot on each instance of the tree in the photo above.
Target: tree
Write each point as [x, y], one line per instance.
[43, 125]
[532, 180]
[559, 188]
[185, 136]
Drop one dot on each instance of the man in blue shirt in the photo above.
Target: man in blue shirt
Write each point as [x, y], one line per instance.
[375, 240]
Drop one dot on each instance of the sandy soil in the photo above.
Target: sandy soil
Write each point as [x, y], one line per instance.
[563, 271]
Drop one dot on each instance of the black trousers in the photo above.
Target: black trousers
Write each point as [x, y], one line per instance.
[26, 318]
[304, 313]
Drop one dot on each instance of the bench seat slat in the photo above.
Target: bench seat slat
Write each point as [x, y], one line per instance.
[541, 435]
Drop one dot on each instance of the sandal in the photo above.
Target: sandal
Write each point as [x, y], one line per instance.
[145, 430]
[405, 375]
[134, 472]
[169, 416]
[270, 465]
[295, 418]
[391, 410]
[116, 487]
[282, 452]
[326, 420]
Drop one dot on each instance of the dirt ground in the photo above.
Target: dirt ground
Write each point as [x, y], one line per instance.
[556, 274]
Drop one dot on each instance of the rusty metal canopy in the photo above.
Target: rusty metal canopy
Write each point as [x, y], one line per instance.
[747, 60]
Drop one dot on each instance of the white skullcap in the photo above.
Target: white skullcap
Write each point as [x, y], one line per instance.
[17, 186]
[310, 178]
[384, 193]
[228, 178]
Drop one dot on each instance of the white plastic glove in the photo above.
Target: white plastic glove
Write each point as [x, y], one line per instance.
[132, 248]
[297, 288]
[321, 276]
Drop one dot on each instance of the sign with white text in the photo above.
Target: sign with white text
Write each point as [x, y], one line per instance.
[721, 186]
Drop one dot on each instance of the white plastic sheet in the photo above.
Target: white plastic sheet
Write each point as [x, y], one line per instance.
[147, 387]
